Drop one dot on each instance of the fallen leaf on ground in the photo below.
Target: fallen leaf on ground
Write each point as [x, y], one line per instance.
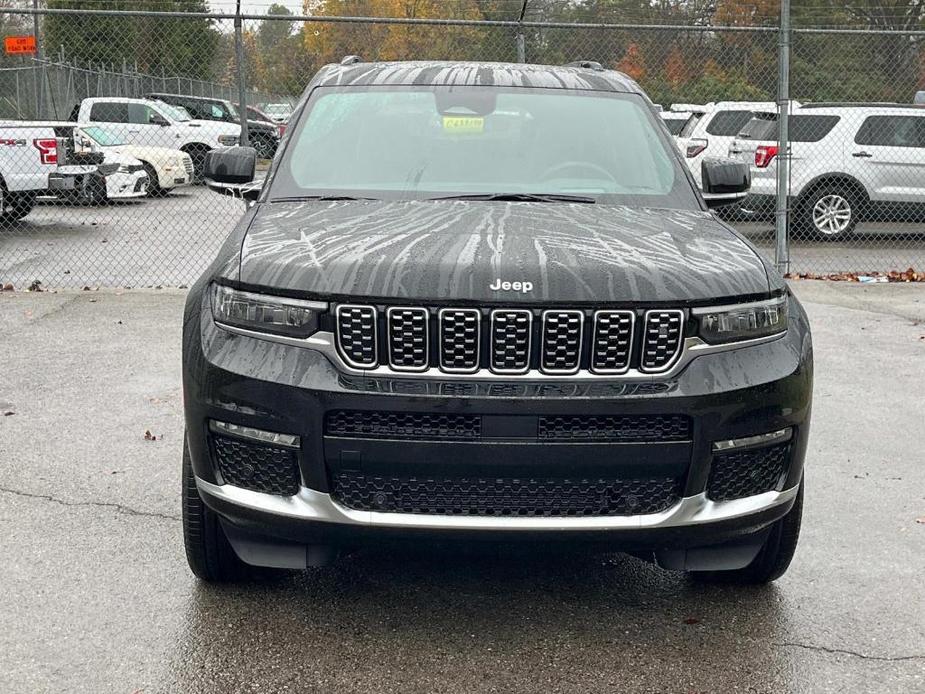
[692, 620]
[7, 287]
[921, 520]
[149, 436]
[8, 413]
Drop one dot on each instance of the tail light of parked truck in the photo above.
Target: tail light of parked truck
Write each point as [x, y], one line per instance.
[48, 149]
[695, 147]
[764, 155]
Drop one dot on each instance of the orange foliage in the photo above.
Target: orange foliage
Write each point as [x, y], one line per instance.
[633, 63]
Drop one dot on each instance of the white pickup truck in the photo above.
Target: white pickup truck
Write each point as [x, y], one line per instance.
[152, 123]
[28, 156]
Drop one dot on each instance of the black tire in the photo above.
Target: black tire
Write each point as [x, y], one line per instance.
[96, 191]
[198, 154]
[15, 206]
[841, 200]
[208, 552]
[154, 189]
[774, 558]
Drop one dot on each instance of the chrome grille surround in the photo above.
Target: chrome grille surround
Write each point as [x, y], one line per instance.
[357, 335]
[460, 345]
[603, 352]
[561, 341]
[408, 338]
[612, 341]
[510, 338]
[662, 339]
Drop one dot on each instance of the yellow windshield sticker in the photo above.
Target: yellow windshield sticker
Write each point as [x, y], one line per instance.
[463, 124]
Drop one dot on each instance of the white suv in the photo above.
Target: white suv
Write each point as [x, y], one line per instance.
[848, 162]
[151, 123]
[712, 133]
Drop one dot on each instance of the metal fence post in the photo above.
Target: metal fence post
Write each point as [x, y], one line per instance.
[521, 41]
[782, 206]
[239, 60]
[39, 83]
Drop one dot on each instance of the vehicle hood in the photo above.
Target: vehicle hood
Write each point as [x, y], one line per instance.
[119, 156]
[160, 155]
[457, 249]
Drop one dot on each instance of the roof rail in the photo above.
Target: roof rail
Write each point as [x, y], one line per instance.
[586, 64]
[858, 104]
[351, 60]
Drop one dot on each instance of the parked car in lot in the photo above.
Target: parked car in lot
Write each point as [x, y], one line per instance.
[166, 168]
[28, 155]
[847, 163]
[151, 123]
[280, 113]
[676, 120]
[488, 324]
[712, 133]
[256, 114]
[264, 137]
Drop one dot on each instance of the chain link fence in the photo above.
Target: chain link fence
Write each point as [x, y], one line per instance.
[103, 129]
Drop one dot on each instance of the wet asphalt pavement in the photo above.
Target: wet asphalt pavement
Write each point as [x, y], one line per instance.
[96, 595]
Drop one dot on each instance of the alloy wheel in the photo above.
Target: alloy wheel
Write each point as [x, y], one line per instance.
[832, 214]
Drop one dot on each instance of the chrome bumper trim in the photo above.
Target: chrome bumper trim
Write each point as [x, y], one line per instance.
[323, 342]
[311, 505]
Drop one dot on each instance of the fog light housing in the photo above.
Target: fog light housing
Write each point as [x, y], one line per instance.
[270, 438]
[752, 441]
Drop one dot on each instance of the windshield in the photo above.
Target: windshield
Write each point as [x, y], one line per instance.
[101, 137]
[415, 142]
[176, 112]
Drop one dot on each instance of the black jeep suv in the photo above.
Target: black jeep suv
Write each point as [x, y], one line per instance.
[486, 302]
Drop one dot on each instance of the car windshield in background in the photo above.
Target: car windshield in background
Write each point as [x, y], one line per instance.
[176, 112]
[101, 137]
[415, 142]
[803, 128]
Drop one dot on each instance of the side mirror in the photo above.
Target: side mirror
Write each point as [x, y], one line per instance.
[157, 119]
[231, 171]
[725, 181]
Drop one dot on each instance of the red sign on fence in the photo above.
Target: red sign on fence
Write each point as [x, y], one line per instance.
[18, 45]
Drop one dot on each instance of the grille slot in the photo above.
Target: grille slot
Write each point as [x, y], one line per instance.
[561, 341]
[662, 336]
[622, 428]
[510, 340]
[748, 472]
[505, 496]
[612, 341]
[403, 425]
[260, 468]
[460, 339]
[409, 338]
[356, 335]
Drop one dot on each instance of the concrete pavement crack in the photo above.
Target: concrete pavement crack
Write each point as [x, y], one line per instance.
[118, 508]
[853, 654]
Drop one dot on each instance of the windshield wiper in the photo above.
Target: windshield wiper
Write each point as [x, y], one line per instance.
[521, 197]
[300, 198]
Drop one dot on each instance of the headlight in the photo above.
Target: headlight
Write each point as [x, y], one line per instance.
[264, 313]
[742, 322]
[228, 140]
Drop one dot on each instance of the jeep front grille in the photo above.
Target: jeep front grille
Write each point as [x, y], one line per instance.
[661, 340]
[357, 335]
[508, 341]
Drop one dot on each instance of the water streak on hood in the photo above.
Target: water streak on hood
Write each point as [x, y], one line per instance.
[455, 250]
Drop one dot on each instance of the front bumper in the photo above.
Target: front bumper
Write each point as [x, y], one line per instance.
[289, 389]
